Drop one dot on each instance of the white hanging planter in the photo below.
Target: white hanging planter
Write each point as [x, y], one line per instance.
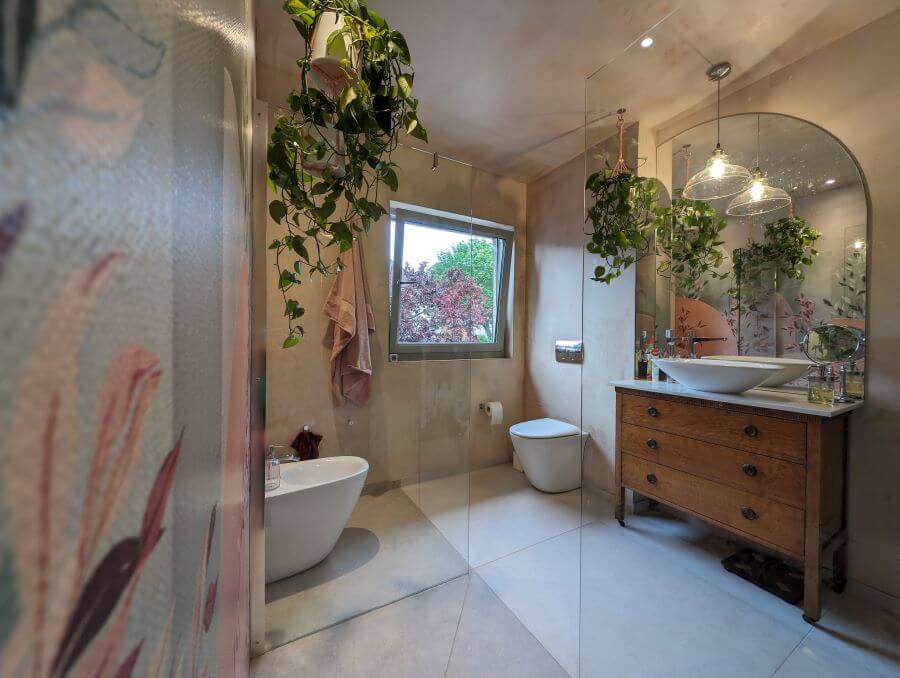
[329, 47]
[330, 50]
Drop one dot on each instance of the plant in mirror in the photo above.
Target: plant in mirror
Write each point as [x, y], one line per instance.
[688, 236]
[851, 284]
[330, 155]
[827, 344]
[789, 270]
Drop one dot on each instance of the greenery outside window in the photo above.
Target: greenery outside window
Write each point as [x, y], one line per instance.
[449, 285]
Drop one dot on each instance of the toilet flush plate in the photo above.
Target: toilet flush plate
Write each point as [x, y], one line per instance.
[569, 351]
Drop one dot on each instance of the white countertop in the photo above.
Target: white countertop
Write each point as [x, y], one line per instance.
[786, 400]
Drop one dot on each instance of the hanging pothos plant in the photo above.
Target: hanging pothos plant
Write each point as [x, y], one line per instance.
[687, 234]
[621, 215]
[329, 156]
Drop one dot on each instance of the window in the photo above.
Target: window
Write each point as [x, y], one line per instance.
[449, 285]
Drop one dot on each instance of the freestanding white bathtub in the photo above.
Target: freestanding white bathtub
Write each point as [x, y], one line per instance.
[306, 514]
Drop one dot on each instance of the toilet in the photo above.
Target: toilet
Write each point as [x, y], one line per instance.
[550, 453]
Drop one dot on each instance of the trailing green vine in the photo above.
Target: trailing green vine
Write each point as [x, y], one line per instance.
[331, 154]
[687, 234]
[621, 216]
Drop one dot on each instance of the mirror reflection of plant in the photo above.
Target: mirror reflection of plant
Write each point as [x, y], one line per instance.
[831, 343]
[329, 157]
[852, 281]
[621, 216]
[687, 234]
[787, 248]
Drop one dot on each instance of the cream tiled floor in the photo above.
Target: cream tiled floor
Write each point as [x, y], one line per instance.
[389, 550]
[549, 597]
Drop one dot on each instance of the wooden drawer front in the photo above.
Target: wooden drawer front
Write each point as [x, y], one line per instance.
[758, 433]
[767, 520]
[765, 476]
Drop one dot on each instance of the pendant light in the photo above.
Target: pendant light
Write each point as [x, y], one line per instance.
[759, 198]
[720, 178]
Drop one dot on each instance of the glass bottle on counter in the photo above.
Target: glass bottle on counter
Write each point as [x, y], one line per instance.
[855, 381]
[640, 358]
[821, 386]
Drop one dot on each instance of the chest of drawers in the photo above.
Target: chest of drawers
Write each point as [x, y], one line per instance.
[773, 477]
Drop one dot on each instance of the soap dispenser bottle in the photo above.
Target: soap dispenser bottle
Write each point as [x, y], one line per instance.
[273, 470]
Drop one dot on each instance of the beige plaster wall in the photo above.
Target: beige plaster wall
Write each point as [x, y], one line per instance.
[561, 307]
[423, 418]
[851, 89]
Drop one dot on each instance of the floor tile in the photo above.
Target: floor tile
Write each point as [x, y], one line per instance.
[507, 514]
[446, 503]
[699, 548]
[540, 585]
[644, 614]
[858, 635]
[389, 550]
[492, 512]
[411, 638]
[492, 642]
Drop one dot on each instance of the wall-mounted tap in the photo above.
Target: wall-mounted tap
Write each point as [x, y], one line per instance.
[693, 340]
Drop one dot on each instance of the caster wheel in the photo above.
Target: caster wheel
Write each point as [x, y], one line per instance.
[622, 523]
[809, 620]
[838, 585]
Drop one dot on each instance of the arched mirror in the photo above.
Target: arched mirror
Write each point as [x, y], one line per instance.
[794, 244]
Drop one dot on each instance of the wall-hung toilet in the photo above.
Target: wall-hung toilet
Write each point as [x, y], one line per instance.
[550, 453]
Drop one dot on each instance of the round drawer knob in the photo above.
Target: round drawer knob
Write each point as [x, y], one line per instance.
[652, 411]
[748, 513]
[749, 470]
[751, 430]
[651, 479]
[652, 444]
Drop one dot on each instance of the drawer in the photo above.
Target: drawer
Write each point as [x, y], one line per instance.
[784, 481]
[754, 432]
[772, 522]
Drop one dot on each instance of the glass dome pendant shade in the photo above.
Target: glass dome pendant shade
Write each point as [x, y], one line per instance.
[719, 179]
[759, 198]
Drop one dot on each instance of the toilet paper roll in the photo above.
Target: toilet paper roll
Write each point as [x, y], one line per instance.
[494, 410]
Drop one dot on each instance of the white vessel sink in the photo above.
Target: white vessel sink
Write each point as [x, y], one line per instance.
[790, 368]
[717, 376]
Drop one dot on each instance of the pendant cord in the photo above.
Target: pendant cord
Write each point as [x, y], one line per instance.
[719, 113]
[757, 142]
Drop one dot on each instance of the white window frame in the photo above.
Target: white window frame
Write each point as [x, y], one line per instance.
[451, 222]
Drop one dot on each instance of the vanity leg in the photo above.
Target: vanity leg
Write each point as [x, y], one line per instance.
[840, 568]
[812, 591]
[812, 561]
[620, 505]
[620, 489]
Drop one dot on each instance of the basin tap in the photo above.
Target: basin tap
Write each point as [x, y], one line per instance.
[693, 340]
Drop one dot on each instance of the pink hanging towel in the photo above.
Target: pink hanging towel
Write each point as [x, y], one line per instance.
[350, 310]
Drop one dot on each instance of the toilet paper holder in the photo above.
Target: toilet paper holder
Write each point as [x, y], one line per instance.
[494, 410]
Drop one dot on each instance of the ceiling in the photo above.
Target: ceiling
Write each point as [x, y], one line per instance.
[501, 83]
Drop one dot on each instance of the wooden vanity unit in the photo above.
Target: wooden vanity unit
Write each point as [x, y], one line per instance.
[765, 465]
